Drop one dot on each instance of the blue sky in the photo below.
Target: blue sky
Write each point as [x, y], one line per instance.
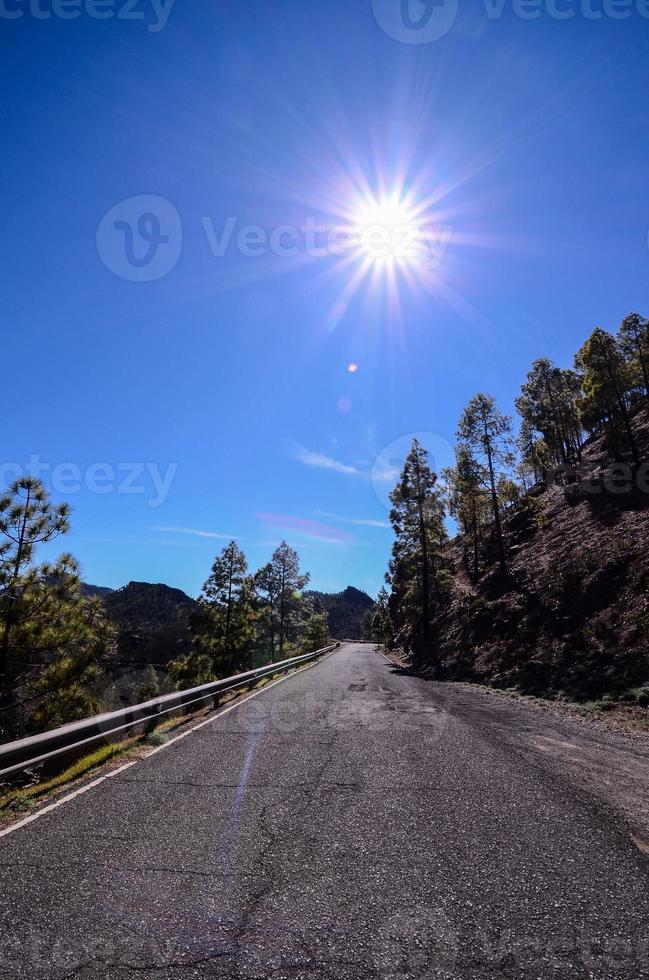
[221, 390]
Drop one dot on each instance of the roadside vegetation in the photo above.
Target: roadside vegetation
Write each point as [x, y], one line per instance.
[58, 650]
[545, 588]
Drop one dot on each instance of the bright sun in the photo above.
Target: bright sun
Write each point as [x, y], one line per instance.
[386, 238]
[387, 230]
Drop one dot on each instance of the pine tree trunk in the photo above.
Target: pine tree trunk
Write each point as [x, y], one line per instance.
[281, 618]
[425, 583]
[619, 393]
[494, 500]
[645, 373]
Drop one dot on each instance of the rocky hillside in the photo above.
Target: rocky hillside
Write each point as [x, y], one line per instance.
[345, 611]
[95, 591]
[572, 616]
[152, 622]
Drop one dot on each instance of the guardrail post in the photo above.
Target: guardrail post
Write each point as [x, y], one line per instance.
[153, 721]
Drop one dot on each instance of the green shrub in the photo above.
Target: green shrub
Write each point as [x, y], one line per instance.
[156, 738]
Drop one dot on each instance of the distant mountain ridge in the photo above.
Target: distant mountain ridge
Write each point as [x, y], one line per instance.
[149, 605]
[94, 591]
[345, 610]
[152, 619]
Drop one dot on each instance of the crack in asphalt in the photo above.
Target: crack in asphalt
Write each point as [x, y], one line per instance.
[257, 899]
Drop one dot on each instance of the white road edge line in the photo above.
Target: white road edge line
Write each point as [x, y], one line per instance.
[102, 779]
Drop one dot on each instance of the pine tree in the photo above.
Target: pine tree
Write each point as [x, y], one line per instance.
[368, 625]
[315, 632]
[633, 341]
[266, 586]
[466, 499]
[290, 584]
[417, 517]
[224, 625]
[27, 518]
[486, 433]
[69, 636]
[53, 640]
[535, 456]
[380, 628]
[605, 384]
[548, 406]
[279, 585]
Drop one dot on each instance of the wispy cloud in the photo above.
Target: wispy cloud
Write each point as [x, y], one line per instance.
[195, 532]
[323, 462]
[387, 471]
[305, 528]
[357, 521]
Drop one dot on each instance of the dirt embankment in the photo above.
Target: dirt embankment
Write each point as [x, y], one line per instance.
[572, 616]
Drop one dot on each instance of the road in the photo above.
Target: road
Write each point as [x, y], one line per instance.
[349, 822]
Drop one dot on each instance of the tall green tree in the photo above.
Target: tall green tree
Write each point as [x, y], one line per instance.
[54, 641]
[279, 586]
[548, 407]
[466, 499]
[314, 635]
[380, 623]
[224, 624]
[291, 581]
[535, 456]
[27, 519]
[266, 585]
[487, 432]
[633, 341]
[417, 517]
[605, 383]
[71, 640]
[368, 625]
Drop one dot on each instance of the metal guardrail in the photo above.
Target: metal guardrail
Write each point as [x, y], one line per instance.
[26, 752]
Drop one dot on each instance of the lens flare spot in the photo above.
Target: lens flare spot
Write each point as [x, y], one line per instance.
[344, 404]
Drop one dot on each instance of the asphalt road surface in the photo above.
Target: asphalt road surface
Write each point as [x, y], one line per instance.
[351, 821]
